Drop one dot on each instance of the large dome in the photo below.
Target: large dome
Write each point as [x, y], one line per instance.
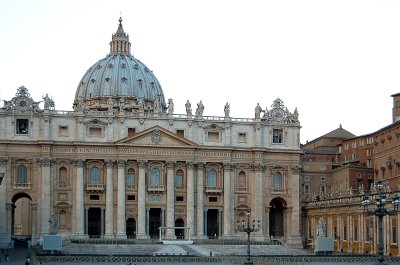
[119, 77]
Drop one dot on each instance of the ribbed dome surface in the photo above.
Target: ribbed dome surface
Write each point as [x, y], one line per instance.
[119, 75]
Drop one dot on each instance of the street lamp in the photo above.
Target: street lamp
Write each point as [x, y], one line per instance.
[253, 226]
[380, 212]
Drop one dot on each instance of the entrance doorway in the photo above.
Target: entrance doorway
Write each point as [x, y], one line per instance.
[131, 228]
[212, 223]
[21, 219]
[277, 206]
[154, 222]
[94, 222]
[179, 233]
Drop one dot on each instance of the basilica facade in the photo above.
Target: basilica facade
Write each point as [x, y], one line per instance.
[122, 164]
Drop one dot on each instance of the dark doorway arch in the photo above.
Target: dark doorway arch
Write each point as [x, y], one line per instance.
[179, 233]
[276, 219]
[131, 228]
[94, 222]
[21, 219]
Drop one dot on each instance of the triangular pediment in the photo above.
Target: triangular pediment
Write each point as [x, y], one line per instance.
[156, 136]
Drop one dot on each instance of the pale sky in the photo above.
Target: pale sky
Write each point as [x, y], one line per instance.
[337, 61]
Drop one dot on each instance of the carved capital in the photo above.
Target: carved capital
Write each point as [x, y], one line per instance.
[109, 163]
[190, 165]
[200, 165]
[170, 164]
[257, 167]
[229, 167]
[45, 162]
[78, 162]
[142, 163]
[3, 161]
[121, 163]
[296, 169]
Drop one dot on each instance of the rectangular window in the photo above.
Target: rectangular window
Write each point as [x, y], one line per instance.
[179, 198]
[213, 136]
[95, 131]
[394, 234]
[131, 197]
[306, 167]
[180, 133]
[306, 178]
[63, 131]
[242, 138]
[335, 235]
[344, 233]
[306, 189]
[277, 135]
[322, 168]
[94, 197]
[322, 178]
[22, 126]
[355, 232]
[131, 132]
[212, 199]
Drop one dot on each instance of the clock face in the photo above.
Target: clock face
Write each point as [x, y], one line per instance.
[278, 114]
[21, 103]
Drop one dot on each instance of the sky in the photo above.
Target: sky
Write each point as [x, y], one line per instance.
[337, 62]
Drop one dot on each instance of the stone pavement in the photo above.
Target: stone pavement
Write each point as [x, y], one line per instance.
[17, 256]
[197, 250]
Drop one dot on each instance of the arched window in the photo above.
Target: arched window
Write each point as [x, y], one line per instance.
[277, 181]
[179, 179]
[130, 179]
[155, 177]
[212, 178]
[22, 174]
[94, 176]
[62, 177]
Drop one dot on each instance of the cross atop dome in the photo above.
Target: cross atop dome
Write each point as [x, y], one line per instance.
[120, 41]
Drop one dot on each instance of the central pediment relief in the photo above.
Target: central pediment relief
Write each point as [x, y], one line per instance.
[156, 136]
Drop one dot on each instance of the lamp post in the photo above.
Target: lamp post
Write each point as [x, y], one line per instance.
[253, 226]
[380, 211]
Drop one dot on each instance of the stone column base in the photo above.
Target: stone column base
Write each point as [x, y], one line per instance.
[139, 236]
[294, 242]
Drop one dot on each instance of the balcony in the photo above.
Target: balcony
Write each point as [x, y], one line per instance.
[213, 190]
[95, 187]
[22, 185]
[155, 188]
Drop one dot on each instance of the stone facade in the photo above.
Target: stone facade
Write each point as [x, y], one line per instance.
[119, 172]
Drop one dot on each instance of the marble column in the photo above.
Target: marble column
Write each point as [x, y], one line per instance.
[109, 212]
[227, 213]
[294, 239]
[170, 233]
[258, 199]
[190, 199]
[45, 195]
[34, 207]
[141, 234]
[79, 200]
[200, 201]
[121, 220]
[5, 238]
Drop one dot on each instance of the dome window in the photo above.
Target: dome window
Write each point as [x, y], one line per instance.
[136, 66]
[98, 67]
[140, 83]
[123, 66]
[124, 79]
[110, 65]
[93, 80]
[107, 79]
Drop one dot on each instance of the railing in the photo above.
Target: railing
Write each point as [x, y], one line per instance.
[95, 187]
[22, 185]
[155, 188]
[213, 189]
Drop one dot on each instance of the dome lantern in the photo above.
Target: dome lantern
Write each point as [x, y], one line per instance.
[120, 41]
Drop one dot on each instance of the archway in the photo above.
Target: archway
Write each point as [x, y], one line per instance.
[131, 228]
[276, 219]
[179, 233]
[21, 219]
